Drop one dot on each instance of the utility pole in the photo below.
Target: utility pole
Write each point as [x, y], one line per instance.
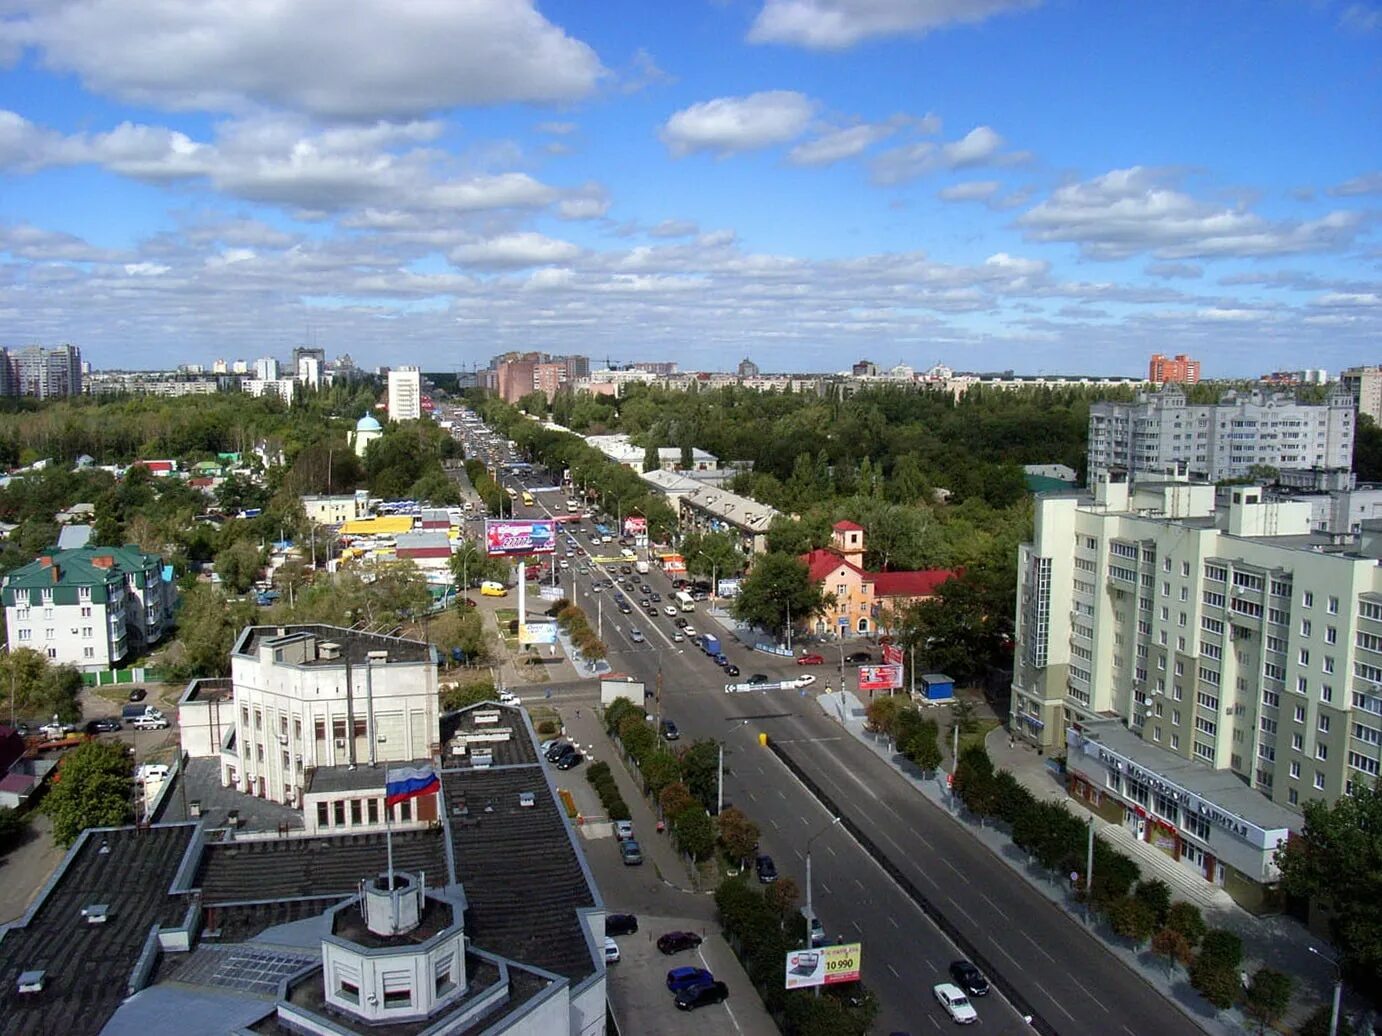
[789, 627]
[1338, 990]
[810, 907]
[1089, 876]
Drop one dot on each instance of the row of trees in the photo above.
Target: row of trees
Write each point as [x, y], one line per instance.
[573, 621]
[917, 737]
[32, 687]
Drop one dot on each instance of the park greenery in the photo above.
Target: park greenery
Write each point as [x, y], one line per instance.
[30, 685]
[916, 736]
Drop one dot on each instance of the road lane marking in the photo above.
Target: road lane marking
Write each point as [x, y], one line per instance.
[831, 851]
[894, 971]
[752, 796]
[1038, 947]
[860, 884]
[959, 872]
[996, 907]
[962, 910]
[701, 954]
[856, 927]
[826, 887]
[1086, 991]
[894, 921]
[774, 823]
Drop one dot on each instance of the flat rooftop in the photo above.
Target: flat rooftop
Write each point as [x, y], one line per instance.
[208, 688]
[331, 780]
[516, 750]
[300, 645]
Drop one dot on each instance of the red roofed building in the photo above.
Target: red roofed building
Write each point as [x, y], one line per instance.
[860, 595]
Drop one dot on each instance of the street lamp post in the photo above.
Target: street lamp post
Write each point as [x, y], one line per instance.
[810, 906]
[720, 771]
[1338, 989]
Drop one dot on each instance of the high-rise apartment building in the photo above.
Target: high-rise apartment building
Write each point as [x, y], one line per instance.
[405, 394]
[41, 372]
[1161, 433]
[747, 368]
[1365, 385]
[266, 369]
[1180, 368]
[519, 374]
[1185, 652]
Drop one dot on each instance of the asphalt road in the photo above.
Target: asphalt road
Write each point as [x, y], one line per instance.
[1070, 981]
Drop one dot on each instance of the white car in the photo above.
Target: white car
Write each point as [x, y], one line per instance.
[636, 636]
[611, 951]
[509, 698]
[956, 1004]
[669, 610]
[677, 638]
[804, 681]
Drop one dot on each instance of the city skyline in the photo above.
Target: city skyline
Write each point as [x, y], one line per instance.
[989, 184]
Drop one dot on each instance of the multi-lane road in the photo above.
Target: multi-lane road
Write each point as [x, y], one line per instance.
[1058, 972]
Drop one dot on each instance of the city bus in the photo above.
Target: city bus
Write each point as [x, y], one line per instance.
[686, 601]
[513, 493]
[527, 499]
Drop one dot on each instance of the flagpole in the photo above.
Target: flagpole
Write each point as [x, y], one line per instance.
[388, 832]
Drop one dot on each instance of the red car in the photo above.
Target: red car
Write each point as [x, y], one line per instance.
[811, 660]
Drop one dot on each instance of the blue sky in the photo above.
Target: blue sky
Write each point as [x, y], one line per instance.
[1043, 185]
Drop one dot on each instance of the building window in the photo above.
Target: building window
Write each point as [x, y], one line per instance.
[86, 612]
[258, 720]
[1307, 599]
[338, 813]
[1294, 769]
[1175, 742]
[1297, 742]
[323, 814]
[1321, 751]
[338, 728]
[355, 812]
[88, 652]
[1300, 714]
[1292, 797]
[1331, 635]
[372, 810]
[361, 726]
[1326, 692]
[405, 811]
[1302, 685]
[1319, 781]
[1304, 656]
[1323, 724]
[1333, 606]
[1305, 627]
[319, 728]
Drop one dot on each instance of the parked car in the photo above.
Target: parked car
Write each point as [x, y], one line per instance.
[621, 924]
[811, 660]
[670, 731]
[630, 852]
[611, 951]
[969, 978]
[675, 942]
[677, 637]
[818, 937]
[700, 996]
[138, 694]
[956, 1004]
[623, 829]
[859, 658]
[570, 760]
[730, 669]
[150, 723]
[805, 680]
[103, 726]
[757, 678]
[553, 748]
[686, 977]
[765, 868]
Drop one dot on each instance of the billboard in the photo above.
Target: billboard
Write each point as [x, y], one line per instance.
[537, 633]
[824, 967]
[634, 526]
[727, 587]
[879, 677]
[510, 537]
[892, 654]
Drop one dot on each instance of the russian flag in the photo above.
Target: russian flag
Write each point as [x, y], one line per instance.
[408, 782]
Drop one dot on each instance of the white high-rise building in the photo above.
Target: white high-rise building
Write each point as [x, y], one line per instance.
[266, 369]
[1226, 648]
[1162, 433]
[405, 394]
[1365, 385]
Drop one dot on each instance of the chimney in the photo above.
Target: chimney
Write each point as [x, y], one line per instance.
[103, 561]
[45, 559]
[57, 573]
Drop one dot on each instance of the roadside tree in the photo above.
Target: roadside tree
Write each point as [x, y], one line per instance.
[92, 788]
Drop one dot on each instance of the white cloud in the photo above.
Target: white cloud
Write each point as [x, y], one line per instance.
[382, 58]
[1368, 183]
[516, 250]
[972, 190]
[836, 24]
[1130, 211]
[729, 124]
[1361, 18]
[1168, 271]
[674, 228]
[834, 145]
[980, 146]
[559, 129]
[588, 202]
[976, 147]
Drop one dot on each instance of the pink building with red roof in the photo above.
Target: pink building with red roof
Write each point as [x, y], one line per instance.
[862, 596]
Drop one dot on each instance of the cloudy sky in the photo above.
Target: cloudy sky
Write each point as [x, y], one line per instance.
[1044, 185]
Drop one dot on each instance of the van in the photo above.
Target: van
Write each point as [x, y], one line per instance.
[489, 588]
[130, 713]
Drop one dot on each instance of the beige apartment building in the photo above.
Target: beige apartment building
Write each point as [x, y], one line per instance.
[1225, 640]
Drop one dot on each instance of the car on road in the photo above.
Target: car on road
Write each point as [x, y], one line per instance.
[611, 951]
[623, 829]
[630, 852]
[956, 1004]
[670, 731]
[700, 996]
[805, 680]
[686, 977]
[859, 658]
[677, 637]
[669, 610]
[811, 660]
[730, 669]
[138, 694]
[681, 624]
[818, 937]
[765, 869]
[675, 942]
[626, 570]
[150, 723]
[621, 924]
[596, 587]
[570, 760]
[757, 678]
[969, 978]
[103, 726]
[636, 635]
[509, 698]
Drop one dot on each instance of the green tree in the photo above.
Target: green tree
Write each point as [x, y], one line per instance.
[651, 460]
[208, 624]
[1186, 918]
[675, 799]
[1267, 998]
[14, 829]
[700, 767]
[463, 695]
[922, 747]
[783, 895]
[93, 788]
[694, 832]
[1156, 895]
[1133, 919]
[40, 689]
[638, 740]
[1219, 985]
[776, 587]
[712, 554]
[1318, 1023]
[1172, 945]
[660, 769]
[1338, 860]
[239, 566]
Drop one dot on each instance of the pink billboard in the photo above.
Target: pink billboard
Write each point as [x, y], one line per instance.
[507, 538]
[880, 677]
[635, 526]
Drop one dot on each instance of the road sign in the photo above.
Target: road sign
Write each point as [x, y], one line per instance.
[823, 967]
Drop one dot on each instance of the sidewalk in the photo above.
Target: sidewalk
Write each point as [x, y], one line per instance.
[1277, 942]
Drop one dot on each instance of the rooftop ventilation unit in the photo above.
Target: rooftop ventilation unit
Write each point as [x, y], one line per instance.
[378, 656]
[329, 651]
[31, 982]
[96, 913]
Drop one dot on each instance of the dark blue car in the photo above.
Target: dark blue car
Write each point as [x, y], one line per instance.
[688, 978]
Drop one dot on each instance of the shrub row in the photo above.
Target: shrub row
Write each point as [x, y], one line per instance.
[916, 736]
[572, 619]
[602, 780]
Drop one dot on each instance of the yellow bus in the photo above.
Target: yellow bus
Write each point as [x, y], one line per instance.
[527, 499]
[511, 491]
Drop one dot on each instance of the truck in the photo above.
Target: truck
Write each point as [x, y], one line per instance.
[130, 713]
[710, 644]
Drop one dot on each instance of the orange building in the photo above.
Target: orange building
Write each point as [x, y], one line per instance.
[1182, 369]
[862, 596]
